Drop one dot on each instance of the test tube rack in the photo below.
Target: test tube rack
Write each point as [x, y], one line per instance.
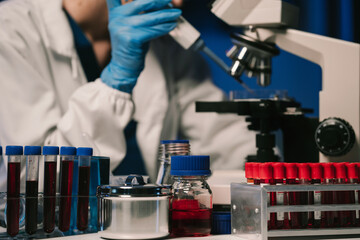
[250, 209]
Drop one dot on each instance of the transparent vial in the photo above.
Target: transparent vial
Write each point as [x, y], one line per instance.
[191, 202]
[167, 149]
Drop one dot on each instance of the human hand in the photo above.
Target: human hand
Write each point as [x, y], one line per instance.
[131, 27]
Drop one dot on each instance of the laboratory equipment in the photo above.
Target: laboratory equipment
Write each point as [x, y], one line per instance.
[67, 156]
[134, 210]
[50, 158]
[84, 159]
[191, 202]
[167, 149]
[14, 153]
[267, 25]
[33, 154]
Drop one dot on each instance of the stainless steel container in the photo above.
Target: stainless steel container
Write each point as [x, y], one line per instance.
[134, 210]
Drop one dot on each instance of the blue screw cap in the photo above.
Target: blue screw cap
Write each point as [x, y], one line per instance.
[14, 150]
[68, 151]
[32, 150]
[84, 151]
[173, 141]
[190, 165]
[50, 150]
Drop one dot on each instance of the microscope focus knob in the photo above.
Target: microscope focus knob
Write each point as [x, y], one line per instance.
[334, 137]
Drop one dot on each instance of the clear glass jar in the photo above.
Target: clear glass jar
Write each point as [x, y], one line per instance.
[167, 149]
[191, 202]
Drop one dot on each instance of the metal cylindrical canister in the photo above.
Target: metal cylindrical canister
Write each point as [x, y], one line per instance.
[134, 210]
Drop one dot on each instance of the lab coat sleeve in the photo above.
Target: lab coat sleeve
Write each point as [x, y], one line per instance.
[224, 137]
[96, 117]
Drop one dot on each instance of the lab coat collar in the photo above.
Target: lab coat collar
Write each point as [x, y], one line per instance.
[57, 28]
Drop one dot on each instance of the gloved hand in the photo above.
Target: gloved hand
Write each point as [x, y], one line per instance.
[131, 28]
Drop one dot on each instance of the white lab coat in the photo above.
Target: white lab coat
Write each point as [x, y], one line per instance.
[45, 98]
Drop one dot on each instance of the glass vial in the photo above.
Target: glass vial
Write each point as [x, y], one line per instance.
[84, 158]
[315, 196]
[293, 197]
[14, 155]
[266, 178]
[191, 202]
[304, 179]
[50, 158]
[167, 149]
[249, 172]
[328, 197]
[33, 154]
[279, 178]
[67, 157]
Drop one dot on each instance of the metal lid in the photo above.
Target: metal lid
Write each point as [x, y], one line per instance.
[134, 186]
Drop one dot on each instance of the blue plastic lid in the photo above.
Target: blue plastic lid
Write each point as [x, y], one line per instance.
[68, 151]
[173, 141]
[32, 150]
[0, 150]
[190, 165]
[221, 223]
[14, 150]
[50, 150]
[84, 151]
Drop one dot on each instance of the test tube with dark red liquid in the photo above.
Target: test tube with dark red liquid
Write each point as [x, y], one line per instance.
[353, 178]
[266, 178]
[327, 197]
[315, 196]
[84, 158]
[249, 172]
[279, 178]
[14, 155]
[343, 218]
[293, 197]
[32, 154]
[50, 158]
[67, 156]
[305, 179]
[256, 174]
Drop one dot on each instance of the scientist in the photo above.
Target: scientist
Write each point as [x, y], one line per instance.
[56, 90]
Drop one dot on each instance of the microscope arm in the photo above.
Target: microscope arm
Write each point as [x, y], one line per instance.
[340, 63]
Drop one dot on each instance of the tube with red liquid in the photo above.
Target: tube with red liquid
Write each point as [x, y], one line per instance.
[279, 178]
[315, 196]
[304, 178]
[249, 172]
[67, 156]
[293, 197]
[33, 154]
[344, 218]
[327, 197]
[256, 174]
[266, 178]
[353, 178]
[14, 155]
[50, 158]
[84, 158]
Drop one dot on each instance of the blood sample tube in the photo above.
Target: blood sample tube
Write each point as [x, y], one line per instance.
[304, 178]
[84, 158]
[279, 178]
[33, 154]
[249, 172]
[50, 158]
[353, 176]
[327, 197]
[343, 218]
[14, 155]
[293, 197]
[67, 156]
[266, 178]
[315, 196]
[256, 173]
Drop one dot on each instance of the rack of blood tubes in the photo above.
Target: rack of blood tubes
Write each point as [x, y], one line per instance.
[22, 208]
[296, 199]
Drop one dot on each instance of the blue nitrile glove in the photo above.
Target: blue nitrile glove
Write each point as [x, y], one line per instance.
[131, 28]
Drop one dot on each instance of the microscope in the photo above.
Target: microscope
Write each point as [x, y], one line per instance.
[267, 27]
